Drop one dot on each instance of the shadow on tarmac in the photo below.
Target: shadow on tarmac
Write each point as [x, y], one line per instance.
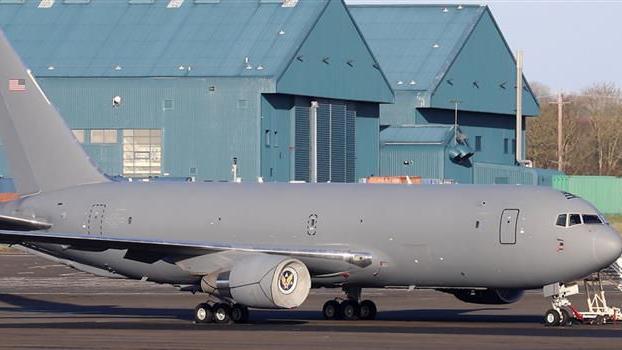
[412, 321]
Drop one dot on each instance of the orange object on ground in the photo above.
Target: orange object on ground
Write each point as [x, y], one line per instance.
[397, 180]
[9, 196]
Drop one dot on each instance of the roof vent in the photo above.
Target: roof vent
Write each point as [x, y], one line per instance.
[289, 3]
[281, 32]
[412, 82]
[436, 46]
[175, 4]
[46, 4]
[445, 9]
[260, 67]
[400, 83]
[460, 7]
[117, 67]
[51, 68]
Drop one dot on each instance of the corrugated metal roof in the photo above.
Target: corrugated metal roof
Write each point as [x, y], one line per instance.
[420, 134]
[117, 38]
[416, 44]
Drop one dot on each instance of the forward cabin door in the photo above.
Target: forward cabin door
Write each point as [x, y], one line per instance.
[507, 229]
[95, 219]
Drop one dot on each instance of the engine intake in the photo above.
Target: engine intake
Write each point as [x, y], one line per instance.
[488, 296]
[262, 281]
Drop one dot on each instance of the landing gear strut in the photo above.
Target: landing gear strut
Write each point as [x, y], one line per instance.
[222, 313]
[350, 308]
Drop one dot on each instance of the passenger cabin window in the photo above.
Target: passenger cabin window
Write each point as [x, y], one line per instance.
[561, 220]
[591, 219]
[575, 219]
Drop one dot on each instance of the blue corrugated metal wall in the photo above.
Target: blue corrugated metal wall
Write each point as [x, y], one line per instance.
[426, 161]
[277, 114]
[212, 119]
[493, 130]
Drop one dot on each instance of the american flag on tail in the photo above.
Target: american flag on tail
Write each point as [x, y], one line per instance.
[17, 84]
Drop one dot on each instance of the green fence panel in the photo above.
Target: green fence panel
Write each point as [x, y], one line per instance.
[605, 192]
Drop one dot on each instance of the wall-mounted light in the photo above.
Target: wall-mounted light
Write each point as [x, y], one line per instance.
[116, 101]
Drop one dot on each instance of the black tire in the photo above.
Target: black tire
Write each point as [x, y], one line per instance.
[566, 318]
[330, 310]
[203, 313]
[350, 310]
[552, 318]
[600, 320]
[221, 313]
[368, 310]
[239, 313]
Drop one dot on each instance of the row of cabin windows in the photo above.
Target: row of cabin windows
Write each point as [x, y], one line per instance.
[567, 220]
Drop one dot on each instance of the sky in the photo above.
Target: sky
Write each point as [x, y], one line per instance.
[567, 45]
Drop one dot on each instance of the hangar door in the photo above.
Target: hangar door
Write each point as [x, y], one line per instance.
[507, 229]
[335, 141]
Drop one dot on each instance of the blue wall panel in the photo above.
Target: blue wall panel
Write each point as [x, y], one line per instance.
[277, 143]
[335, 62]
[483, 75]
[367, 141]
[211, 120]
[412, 160]
[492, 129]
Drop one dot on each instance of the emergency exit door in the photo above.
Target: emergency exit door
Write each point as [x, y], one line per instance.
[95, 220]
[507, 229]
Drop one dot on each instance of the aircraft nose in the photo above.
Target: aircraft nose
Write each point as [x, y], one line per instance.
[607, 247]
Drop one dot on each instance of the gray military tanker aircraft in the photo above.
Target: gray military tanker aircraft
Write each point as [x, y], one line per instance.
[260, 245]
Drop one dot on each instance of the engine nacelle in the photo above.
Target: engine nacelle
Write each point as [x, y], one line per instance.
[262, 281]
[488, 296]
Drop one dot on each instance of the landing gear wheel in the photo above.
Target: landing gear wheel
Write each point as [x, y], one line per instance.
[600, 320]
[330, 311]
[222, 313]
[566, 318]
[239, 313]
[552, 318]
[367, 310]
[203, 313]
[350, 310]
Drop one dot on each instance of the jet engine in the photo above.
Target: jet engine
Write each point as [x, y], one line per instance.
[488, 296]
[262, 281]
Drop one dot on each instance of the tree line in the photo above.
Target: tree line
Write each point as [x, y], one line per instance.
[592, 131]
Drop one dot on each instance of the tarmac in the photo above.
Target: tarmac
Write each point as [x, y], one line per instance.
[45, 305]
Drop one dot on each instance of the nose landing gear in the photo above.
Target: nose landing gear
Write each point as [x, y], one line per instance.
[350, 308]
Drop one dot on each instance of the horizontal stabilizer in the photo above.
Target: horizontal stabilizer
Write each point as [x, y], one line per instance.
[12, 223]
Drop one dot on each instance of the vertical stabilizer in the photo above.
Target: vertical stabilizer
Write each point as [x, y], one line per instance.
[42, 152]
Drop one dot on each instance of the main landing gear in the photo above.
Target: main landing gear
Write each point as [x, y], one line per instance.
[222, 313]
[350, 308]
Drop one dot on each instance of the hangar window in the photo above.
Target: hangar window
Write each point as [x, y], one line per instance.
[79, 135]
[100, 136]
[561, 219]
[142, 152]
[506, 146]
[478, 143]
[168, 105]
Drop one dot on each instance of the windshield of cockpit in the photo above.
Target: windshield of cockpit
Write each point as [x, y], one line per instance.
[568, 220]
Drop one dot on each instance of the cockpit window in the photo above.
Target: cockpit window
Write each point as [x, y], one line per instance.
[575, 219]
[591, 219]
[561, 220]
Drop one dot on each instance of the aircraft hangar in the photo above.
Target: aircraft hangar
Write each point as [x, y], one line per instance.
[182, 88]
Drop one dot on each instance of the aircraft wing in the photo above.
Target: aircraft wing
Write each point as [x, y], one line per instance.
[149, 251]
